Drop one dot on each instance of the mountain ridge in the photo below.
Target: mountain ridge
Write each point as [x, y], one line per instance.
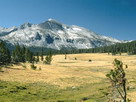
[55, 35]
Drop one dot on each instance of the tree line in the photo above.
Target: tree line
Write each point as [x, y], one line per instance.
[5, 56]
[129, 48]
[34, 54]
[22, 54]
[118, 48]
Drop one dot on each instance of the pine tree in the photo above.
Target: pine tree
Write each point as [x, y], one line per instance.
[37, 57]
[8, 57]
[5, 56]
[117, 77]
[65, 56]
[29, 56]
[48, 58]
[42, 55]
[13, 56]
[17, 54]
[22, 54]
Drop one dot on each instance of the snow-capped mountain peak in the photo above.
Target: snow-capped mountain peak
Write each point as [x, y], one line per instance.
[53, 34]
[25, 25]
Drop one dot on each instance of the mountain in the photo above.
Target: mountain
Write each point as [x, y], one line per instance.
[53, 34]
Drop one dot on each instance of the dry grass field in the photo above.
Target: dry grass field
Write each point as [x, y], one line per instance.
[71, 73]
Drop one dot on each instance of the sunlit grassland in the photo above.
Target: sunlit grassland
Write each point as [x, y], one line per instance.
[67, 80]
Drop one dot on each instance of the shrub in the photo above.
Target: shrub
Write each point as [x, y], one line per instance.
[24, 66]
[117, 77]
[65, 56]
[90, 60]
[0, 69]
[33, 67]
[48, 58]
[85, 98]
[40, 68]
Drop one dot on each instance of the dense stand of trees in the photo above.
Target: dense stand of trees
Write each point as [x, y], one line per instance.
[119, 48]
[5, 57]
[23, 54]
[19, 54]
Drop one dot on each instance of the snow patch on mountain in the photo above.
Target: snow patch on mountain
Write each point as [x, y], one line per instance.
[53, 34]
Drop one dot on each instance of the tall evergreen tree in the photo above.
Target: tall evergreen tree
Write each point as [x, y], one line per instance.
[22, 54]
[48, 58]
[5, 56]
[29, 55]
[117, 77]
[8, 56]
[42, 55]
[17, 54]
[37, 57]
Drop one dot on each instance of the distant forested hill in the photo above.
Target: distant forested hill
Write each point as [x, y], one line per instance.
[129, 47]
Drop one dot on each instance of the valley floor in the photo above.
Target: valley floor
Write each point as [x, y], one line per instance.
[67, 80]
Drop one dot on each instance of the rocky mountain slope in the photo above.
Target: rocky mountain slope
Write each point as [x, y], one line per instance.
[53, 34]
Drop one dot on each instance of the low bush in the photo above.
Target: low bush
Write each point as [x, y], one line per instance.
[33, 67]
[24, 66]
[90, 60]
[0, 69]
[40, 68]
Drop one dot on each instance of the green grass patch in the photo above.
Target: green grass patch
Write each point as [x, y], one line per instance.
[43, 92]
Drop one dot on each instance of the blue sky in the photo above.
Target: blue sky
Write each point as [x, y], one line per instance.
[114, 18]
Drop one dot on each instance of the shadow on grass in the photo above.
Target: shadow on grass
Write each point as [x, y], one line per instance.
[1, 71]
[9, 66]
